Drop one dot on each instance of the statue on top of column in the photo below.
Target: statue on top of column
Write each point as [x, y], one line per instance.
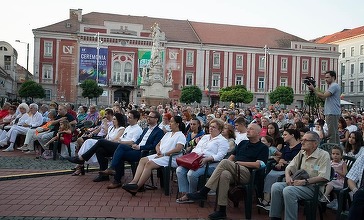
[155, 58]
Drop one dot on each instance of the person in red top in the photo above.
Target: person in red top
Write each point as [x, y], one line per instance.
[64, 133]
[264, 123]
[5, 110]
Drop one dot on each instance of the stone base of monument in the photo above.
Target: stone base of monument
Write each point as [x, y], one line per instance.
[156, 94]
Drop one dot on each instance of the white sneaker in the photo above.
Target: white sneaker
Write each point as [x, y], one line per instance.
[9, 149]
[22, 148]
[3, 143]
[332, 205]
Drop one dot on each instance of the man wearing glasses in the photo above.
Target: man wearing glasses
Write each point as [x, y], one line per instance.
[132, 153]
[316, 162]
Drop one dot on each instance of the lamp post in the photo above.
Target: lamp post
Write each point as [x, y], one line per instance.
[97, 57]
[210, 75]
[266, 76]
[27, 52]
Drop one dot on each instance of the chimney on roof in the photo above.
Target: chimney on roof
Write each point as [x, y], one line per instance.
[76, 14]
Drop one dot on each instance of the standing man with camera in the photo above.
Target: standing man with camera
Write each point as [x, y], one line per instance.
[332, 109]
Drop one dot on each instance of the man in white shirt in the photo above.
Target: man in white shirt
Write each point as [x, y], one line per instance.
[241, 131]
[349, 124]
[105, 148]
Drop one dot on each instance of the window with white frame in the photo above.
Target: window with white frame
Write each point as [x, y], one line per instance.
[284, 62]
[216, 59]
[361, 49]
[190, 58]
[239, 80]
[48, 94]
[352, 68]
[361, 86]
[361, 67]
[261, 62]
[261, 84]
[343, 69]
[323, 66]
[239, 62]
[343, 53]
[304, 86]
[343, 86]
[47, 71]
[305, 66]
[322, 85]
[284, 81]
[352, 51]
[116, 76]
[128, 72]
[48, 48]
[351, 86]
[189, 79]
[216, 80]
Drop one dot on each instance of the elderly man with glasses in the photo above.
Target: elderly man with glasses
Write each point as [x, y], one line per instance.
[316, 162]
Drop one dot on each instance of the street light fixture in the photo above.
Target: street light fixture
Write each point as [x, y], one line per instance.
[27, 51]
[97, 36]
[266, 89]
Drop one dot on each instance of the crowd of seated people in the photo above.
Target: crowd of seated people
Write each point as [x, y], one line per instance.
[122, 135]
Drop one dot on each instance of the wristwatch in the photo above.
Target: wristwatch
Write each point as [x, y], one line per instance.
[306, 182]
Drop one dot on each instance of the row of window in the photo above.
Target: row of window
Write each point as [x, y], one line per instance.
[352, 51]
[352, 86]
[352, 68]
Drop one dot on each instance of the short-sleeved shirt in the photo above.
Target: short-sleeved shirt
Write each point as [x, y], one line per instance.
[332, 103]
[132, 133]
[246, 151]
[316, 164]
[355, 173]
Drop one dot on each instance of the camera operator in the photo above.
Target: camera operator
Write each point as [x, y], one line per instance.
[332, 109]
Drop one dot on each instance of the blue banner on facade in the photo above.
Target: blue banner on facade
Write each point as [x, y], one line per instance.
[88, 67]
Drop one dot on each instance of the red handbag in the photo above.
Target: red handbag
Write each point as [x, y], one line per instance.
[190, 161]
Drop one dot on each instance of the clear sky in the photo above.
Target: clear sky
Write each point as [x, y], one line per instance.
[307, 19]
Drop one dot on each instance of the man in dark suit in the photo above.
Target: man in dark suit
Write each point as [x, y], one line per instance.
[147, 141]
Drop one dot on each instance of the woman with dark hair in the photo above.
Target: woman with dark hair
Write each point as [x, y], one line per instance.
[172, 142]
[343, 131]
[194, 134]
[273, 131]
[229, 133]
[114, 134]
[248, 116]
[354, 145]
[293, 145]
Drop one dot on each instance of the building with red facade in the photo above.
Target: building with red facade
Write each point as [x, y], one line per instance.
[211, 56]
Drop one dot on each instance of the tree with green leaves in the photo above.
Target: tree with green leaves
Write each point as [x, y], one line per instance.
[236, 94]
[91, 89]
[282, 94]
[313, 101]
[191, 94]
[31, 89]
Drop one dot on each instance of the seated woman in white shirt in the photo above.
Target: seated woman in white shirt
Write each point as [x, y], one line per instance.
[213, 147]
[172, 142]
[114, 133]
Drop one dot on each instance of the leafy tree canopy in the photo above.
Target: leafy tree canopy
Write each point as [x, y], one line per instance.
[191, 94]
[31, 89]
[236, 94]
[91, 89]
[282, 94]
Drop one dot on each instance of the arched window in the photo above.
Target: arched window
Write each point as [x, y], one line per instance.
[127, 72]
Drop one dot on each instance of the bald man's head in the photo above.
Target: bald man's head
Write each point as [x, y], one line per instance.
[253, 131]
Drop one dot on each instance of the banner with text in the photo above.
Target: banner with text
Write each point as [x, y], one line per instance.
[88, 67]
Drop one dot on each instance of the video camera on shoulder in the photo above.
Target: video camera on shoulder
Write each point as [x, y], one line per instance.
[309, 80]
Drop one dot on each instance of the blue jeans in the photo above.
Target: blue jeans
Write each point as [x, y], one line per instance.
[188, 179]
[123, 153]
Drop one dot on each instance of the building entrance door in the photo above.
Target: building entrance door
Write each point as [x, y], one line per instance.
[122, 96]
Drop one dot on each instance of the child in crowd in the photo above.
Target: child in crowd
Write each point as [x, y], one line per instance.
[341, 169]
[64, 134]
[273, 151]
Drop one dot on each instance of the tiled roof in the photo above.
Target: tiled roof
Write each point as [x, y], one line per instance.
[189, 32]
[223, 34]
[344, 34]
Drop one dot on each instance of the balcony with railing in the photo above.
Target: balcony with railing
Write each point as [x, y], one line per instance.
[121, 83]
